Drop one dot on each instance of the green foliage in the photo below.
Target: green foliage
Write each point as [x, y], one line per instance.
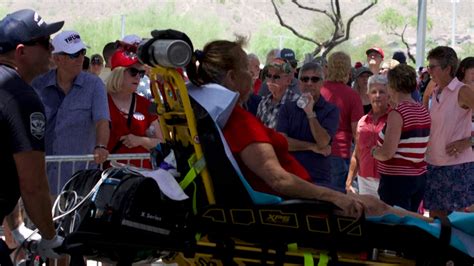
[413, 21]
[466, 50]
[97, 33]
[391, 19]
[3, 11]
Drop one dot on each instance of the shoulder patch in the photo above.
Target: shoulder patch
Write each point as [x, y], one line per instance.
[37, 125]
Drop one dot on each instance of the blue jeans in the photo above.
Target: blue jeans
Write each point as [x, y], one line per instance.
[339, 171]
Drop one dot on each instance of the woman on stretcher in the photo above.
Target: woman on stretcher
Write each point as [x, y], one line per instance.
[262, 153]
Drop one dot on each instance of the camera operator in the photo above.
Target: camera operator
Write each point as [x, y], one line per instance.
[25, 52]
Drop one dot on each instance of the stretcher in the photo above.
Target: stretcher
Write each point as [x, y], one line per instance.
[126, 217]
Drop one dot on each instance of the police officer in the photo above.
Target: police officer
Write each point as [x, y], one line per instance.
[25, 52]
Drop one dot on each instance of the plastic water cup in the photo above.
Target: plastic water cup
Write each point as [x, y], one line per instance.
[302, 101]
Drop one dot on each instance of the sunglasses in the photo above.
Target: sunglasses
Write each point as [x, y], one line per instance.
[313, 79]
[43, 42]
[96, 61]
[134, 72]
[76, 54]
[273, 77]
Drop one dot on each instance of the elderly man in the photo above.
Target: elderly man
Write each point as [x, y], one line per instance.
[77, 112]
[24, 54]
[375, 57]
[310, 128]
[278, 79]
[289, 56]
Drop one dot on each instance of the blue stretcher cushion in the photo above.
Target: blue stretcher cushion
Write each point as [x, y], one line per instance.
[462, 236]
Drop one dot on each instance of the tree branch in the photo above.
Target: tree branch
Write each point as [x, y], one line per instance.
[283, 24]
[339, 17]
[314, 10]
[329, 45]
[351, 19]
[341, 32]
[333, 9]
[412, 58]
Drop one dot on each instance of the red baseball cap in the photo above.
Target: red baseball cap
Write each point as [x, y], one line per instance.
[123, 58]
[375, 49]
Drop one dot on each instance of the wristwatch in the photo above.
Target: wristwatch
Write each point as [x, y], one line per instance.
[100, 146]
[312, 115]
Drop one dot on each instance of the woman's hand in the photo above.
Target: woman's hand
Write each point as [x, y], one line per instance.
[131, 141]
[350, 189]
[372, 205]
[350, 206]
[456, 147]
[469, 209]
[376, 207]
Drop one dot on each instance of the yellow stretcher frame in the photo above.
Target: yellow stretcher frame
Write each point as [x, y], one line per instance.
[178, 105]
[172, 82]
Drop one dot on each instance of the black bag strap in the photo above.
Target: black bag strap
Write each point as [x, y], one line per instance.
[129, 124]
[445, 234]
[131, 111]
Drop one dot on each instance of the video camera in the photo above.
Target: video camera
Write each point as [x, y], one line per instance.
[167, 48]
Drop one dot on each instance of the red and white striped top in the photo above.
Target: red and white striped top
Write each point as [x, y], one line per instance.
[409, 158]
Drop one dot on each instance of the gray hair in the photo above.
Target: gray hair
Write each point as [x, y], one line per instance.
[311, 66]
[253, 56]
[376, 79]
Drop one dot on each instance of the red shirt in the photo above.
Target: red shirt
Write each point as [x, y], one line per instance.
[368, 131]
[256, 86]
[350, 110]
[243, 129]
[141, 121]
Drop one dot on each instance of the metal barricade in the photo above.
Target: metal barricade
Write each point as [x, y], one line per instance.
[89, 161]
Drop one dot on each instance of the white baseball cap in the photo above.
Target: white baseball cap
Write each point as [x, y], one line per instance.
[68, 42]
[132, 39]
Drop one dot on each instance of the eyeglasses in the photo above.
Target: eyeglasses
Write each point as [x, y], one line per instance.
[43, 42]
[313, 79]
[76, 54]
[134, 72]
[433, 66]
[273, 77]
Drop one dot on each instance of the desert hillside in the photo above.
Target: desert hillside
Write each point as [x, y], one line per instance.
[247, 16]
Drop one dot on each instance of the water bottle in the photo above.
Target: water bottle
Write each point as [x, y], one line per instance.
[302, 101]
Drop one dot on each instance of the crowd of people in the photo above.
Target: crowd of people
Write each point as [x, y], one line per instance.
[386, 142]
[354, 135]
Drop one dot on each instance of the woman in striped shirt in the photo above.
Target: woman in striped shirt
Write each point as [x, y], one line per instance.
[403, 143]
